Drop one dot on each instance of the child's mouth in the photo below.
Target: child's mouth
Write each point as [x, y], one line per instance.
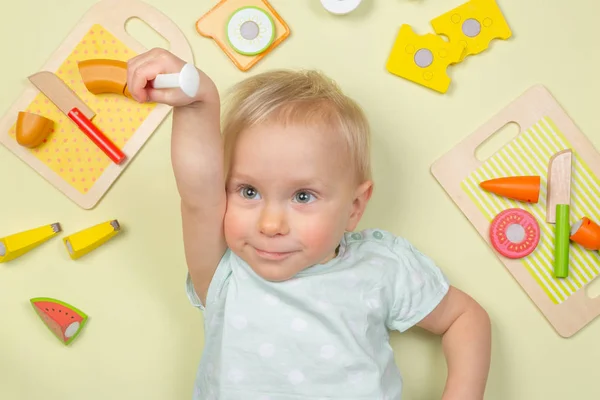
[273, 255]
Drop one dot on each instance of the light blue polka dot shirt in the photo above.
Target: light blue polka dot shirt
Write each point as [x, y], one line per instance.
[323, 334]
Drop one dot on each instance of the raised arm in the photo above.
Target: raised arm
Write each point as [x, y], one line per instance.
[197, 159]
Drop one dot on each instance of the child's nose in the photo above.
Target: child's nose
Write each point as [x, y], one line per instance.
[273, 221]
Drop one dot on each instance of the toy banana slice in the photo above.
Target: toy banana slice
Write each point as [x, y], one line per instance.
[83, 242]
[104, 76]
[17, 244]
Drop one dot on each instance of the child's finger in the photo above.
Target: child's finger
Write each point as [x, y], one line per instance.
[132, 66]
[165, 96]
[135, 62]
[145, 69]
[141, 76]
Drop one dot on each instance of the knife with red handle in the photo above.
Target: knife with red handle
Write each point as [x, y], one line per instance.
[71, 105]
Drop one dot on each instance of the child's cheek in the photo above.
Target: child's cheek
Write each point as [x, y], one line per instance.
[318, 234]
[235, 226]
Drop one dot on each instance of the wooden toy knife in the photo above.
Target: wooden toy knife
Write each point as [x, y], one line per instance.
[71, 105]
[558, 203]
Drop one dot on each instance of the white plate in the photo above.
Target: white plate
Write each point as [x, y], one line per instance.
[340, 6]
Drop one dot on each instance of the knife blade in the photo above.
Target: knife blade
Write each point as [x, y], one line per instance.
[67, 101]
[558, 203]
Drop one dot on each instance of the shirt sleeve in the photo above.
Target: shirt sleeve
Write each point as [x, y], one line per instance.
[417, 287]
[218, 283]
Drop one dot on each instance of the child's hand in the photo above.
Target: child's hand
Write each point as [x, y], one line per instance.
[143, 69]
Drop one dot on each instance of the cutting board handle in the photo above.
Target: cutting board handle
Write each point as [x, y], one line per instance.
[114, 14]
[525, 112]
[592, 302]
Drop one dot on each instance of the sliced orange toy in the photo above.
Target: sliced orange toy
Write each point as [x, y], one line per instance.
[586, 233]
[521, 188]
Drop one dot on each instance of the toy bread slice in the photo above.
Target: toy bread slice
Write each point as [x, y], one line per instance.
[83, 242]
[104, 76]
[245, 30]
[32, 129]
[16, 245]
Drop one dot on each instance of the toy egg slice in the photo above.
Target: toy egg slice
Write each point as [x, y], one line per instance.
[250, 31]
[514, 233]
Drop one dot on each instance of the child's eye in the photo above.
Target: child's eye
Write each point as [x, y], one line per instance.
[249, 192]
[304, 197]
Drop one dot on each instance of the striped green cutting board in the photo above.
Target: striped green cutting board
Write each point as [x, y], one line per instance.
[529, 154]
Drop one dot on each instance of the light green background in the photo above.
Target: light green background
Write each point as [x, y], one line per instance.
[143, 340]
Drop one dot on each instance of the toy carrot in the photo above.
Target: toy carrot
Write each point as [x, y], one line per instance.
[522, 188]
[586, 233]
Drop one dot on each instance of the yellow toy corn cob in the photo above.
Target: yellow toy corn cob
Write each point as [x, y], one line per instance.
[82, 242]
[17, 244]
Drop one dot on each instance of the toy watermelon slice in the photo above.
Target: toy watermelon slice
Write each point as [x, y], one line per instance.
[64, 320]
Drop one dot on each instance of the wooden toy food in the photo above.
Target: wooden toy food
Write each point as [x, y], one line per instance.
[17, 244]
[246, 30]
[586, 233]
[81, 243]
[473, 25]
[63, 320]
[250, 31]
[101, 75]
[522, 188]
[514, 233]
[32, 129]
[423, 59]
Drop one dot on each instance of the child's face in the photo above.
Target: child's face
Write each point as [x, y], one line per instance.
[290, 197]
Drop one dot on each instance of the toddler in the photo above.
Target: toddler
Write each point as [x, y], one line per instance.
[298, 304]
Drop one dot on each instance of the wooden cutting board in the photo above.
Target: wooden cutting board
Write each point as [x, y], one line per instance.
[545, 128]
[68, 159]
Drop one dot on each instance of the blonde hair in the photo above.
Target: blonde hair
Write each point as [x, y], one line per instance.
[305, 96]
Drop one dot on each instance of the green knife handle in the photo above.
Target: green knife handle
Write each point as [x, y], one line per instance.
[561, 241]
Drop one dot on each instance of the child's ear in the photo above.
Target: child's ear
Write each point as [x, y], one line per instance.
[362, 195]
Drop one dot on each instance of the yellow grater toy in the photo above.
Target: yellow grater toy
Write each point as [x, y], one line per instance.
[17, 244]
[82, 242]
[473, 25]
[423, 59]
